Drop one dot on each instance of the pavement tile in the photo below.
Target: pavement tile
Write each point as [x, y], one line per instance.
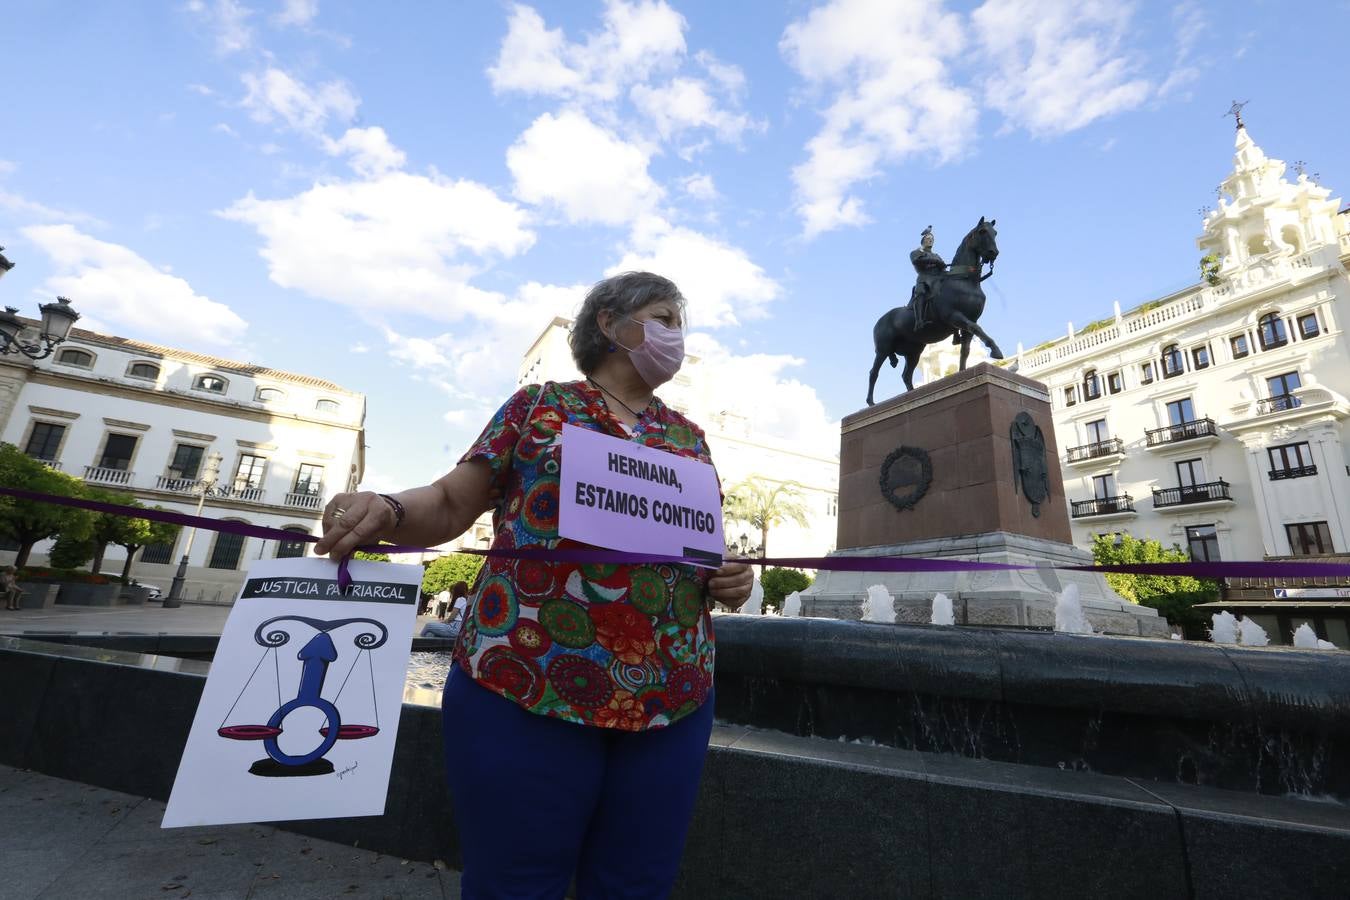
[123, 870]
[143, 825]
[41, 812]
[26, 873]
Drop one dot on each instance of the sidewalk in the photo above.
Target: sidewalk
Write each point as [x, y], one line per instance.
[65, 839]
[149, 619]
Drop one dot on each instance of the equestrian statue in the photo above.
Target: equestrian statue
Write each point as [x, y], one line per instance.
[947, 301]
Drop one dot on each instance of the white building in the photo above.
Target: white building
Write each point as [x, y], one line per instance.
[739, 450]
[144, 419]
[1216, 417]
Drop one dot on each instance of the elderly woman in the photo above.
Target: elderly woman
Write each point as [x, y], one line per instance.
[578, 713]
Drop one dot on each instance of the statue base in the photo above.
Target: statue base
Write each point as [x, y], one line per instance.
[1023, 598]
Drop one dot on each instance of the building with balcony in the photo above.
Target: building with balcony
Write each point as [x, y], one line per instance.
[1226, 402]
[143, 419]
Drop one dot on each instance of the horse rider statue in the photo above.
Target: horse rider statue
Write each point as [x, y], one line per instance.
[930, 268]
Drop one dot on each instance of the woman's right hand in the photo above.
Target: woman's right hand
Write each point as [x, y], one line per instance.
[353, 520]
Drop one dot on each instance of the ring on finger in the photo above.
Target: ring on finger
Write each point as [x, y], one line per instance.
[339, 513]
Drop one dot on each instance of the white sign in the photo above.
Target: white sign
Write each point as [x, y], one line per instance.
[299, 714]
[1325, 593]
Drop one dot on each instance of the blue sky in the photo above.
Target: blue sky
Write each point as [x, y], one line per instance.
[399, 197]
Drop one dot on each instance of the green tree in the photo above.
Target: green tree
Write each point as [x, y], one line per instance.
[70, 552]
[1171, 595]
[764, 504]
[135, 533]
[444, 571]
[778, 583]
[26, 522]
[107, 528]
[371, 557]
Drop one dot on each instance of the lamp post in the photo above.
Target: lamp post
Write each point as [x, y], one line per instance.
[203, 487]
[57, 320]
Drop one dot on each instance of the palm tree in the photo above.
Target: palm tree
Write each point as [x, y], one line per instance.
[763, 504]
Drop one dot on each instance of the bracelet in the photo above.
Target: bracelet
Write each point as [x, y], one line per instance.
[396, 507]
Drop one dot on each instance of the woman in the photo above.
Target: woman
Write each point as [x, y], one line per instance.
[578, 713]
[9, 586]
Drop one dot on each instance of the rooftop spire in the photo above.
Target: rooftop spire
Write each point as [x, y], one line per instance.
[1236, 112]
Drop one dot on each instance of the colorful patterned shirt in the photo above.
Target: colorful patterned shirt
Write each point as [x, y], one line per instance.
[627, 647]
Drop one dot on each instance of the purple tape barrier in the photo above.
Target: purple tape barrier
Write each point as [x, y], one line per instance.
[834, 563]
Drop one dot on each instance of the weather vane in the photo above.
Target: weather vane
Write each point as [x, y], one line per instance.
[1204, 211]
[1236, 111]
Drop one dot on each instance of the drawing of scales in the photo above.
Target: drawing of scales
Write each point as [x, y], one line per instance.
[315, 657]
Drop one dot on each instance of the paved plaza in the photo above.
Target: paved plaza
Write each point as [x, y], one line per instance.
[65, 839]
[190, 618]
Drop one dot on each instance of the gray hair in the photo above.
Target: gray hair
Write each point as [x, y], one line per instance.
[623, 295]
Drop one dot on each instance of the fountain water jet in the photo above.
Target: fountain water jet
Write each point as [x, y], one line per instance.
[1250, 634]
[1225, 628]
[942, 610]
[792, 604]
[1069, 616]
[879, 606]
[755, 605]
[1305, 637]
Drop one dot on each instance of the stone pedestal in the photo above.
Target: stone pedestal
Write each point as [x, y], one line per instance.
[971, 510]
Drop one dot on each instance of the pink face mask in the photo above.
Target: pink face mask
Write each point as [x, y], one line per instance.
[660, 354]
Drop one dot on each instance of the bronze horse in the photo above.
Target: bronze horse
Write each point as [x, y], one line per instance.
[955, 311]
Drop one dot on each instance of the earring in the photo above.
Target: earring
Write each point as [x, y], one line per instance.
[612, 348]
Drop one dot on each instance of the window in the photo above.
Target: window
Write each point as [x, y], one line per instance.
[45, 440]
[1070, 395]
[187, 461]
[1096, 431]
[1291, 461]
[118, 451]
[1103, 486]
[1114, 383]
[1092, 386]
[269, 395]
[1190, 472]
[1307, 326]
[1272, 332]
[1239, 344]
[1146, 373]
[327, 406]
[1179, 412]
[309, 479]
[1282, 389]
[149, 371]
[249, 473]
[1309, 538]
[291, 549]
[161, 554]
[212, 384]
[225, 554]
[1200, 357]
[1172, 364]
[72, 357]
[1203, 542]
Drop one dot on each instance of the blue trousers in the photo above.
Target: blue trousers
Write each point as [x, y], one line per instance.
[537, 799]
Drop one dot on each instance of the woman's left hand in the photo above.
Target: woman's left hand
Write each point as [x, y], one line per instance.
[731, 584]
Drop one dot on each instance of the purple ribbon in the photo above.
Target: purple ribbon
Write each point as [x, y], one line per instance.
[595, 556]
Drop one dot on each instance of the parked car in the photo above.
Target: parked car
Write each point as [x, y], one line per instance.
[152, 591]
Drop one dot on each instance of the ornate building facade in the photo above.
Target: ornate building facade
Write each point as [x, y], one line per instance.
[145, 419]
[1216, 417]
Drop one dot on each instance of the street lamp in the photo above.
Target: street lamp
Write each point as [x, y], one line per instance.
[202, 488]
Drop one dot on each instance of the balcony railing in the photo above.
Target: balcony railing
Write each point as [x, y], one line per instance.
[106, 475]
[1103, 506]
[1108, 447]
[49, 463]
[1184, 431]
[1295, 472]
[304, 500]
[1191, 493]
[1277, 403]
[247, 494]
[176, 484]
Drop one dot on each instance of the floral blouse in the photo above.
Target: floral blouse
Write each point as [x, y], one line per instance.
[627, 647]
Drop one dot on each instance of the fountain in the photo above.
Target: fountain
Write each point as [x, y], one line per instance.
[1069, 616]
[1250, 634]
[942, 610]
[1305, 637]
[1225, 628]
[879, 606]
[755, 605]
[792, 604]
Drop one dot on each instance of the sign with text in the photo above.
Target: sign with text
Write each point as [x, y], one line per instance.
[298, 716]
[624, 496]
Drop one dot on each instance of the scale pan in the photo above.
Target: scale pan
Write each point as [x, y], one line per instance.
[248, 732]
[352, 732]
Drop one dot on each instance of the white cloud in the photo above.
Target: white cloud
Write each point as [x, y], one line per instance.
[119, 292]
[7, 167]
[894, 98]
[1060, 63]
[22, 206]
[394, 243]
[297, 12]
[228, 20]
[683, 104]
[700, 187]
[637, 39]
[275, 94]
[224, 128]
[588, 173]
[368, 150]
[721, 283]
